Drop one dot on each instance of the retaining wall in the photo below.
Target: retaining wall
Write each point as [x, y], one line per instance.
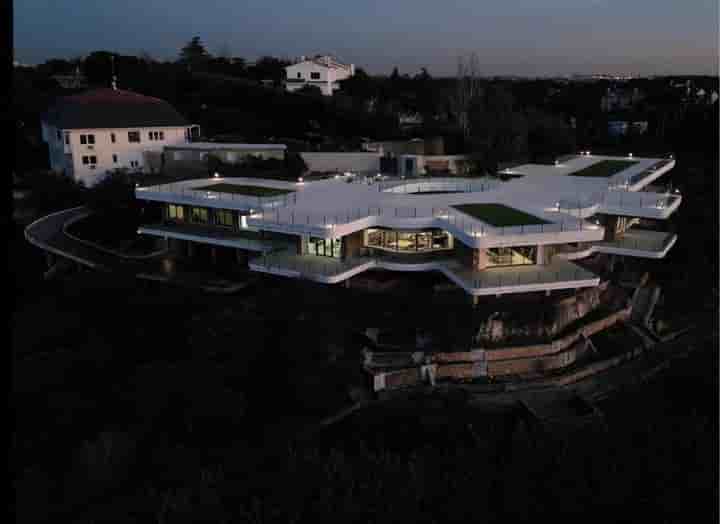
[480, 362]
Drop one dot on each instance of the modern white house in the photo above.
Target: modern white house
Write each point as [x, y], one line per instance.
[490, 237]
[323, 71]
[100, 130]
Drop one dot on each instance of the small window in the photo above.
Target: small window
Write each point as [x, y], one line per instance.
[93, 159]
[299, 75]
[134, 136]
[85, 160]
[112, 137]
[175, 212]
[114, 159]
[150, 135]
[134, 163]
[83, 139]
[162, 135]
[91, 139]
[67, 138]
[199, 215]
[224, 217]
[315, 76]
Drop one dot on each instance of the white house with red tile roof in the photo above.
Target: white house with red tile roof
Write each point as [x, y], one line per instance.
[100, 130]
[323, 71]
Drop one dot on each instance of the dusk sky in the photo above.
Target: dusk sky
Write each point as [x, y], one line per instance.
[520, 37]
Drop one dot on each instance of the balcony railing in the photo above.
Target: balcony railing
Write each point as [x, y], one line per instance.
[617, 199]
[319, 268]
[446, 218]
[246, 201]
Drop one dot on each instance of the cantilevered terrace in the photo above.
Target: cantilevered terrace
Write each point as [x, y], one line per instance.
[487, 236]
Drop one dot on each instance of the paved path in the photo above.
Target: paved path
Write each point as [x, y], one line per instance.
[47, 234]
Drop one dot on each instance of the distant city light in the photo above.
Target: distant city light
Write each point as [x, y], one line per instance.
[630, 155]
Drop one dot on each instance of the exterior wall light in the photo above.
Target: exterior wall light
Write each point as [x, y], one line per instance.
[630, 155]
[217, 175]
[300, 179]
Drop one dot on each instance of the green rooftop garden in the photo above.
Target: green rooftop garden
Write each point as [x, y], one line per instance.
[499, 215]
[256, 191]
[605, 168]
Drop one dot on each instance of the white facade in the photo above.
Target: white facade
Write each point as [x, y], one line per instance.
[88, 154]
[323, 72]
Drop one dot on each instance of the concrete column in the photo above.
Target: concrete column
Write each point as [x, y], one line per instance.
[610, 228]
[479, 259]
[541, 255]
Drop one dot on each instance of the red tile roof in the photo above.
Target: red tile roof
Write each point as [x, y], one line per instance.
[111, 108]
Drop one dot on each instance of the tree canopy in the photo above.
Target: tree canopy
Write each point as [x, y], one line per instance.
[194, 53]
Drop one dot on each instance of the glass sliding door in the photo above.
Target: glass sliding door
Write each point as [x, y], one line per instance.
[409, 241]
[512, 256]
[324, 247]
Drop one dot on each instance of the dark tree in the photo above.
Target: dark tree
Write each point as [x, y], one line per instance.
[309, 89]
[295, 164]
[194, 53]
[498, 131]
[98, 68]
[51, 192]
[269, 68]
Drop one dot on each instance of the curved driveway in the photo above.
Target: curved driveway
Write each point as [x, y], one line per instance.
[47, 233]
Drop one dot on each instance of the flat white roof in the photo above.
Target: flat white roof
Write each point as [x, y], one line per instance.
[335, 201]
[234, 146]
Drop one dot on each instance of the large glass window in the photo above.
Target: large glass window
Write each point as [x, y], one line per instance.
[324, 247]
[224, 217]
[199, 215]
[512, 256]
[413, 241]
[175, 212]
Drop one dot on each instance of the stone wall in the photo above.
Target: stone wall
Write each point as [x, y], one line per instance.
[546, 322]
[480, 362]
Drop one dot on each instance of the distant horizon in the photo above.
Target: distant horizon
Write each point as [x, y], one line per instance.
[511, 37]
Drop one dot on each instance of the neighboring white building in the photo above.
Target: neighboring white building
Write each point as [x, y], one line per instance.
[104, 129]
[323, 71]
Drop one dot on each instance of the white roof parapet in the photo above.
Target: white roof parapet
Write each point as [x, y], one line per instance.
[233, 146]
